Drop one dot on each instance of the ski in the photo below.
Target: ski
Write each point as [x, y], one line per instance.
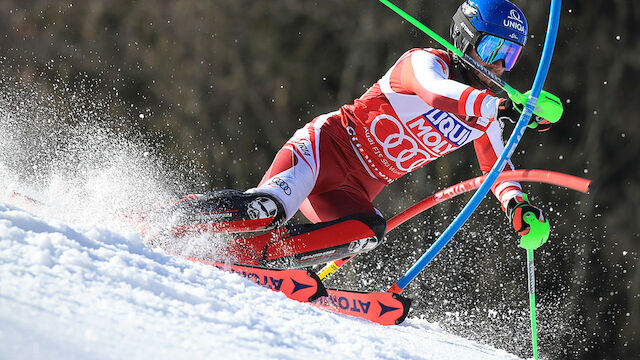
[305, 286]
[300, 285]
[25, 198]
[383, 308]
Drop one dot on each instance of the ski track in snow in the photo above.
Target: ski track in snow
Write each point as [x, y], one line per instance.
[85, 292]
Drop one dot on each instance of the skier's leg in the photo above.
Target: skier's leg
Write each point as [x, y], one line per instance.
[349, 224]
[339, 205]
[346, 221]
[295, 171]
[309, 244]
[288, 181]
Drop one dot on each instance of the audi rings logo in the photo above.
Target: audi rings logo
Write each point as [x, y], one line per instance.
[397, 145]
[282, 184]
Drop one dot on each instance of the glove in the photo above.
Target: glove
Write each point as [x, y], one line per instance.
[538, 123]
[529, 221]
[508, 111]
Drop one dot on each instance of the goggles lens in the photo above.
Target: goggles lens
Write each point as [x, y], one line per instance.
[492, 48]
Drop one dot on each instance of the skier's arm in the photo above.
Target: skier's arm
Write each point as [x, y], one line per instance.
[488, 147]
[427, 75]
[514, 203]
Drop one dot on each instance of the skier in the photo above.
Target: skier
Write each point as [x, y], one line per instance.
[428, 104]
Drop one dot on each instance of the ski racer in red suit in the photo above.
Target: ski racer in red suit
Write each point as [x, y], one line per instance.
[427, 105]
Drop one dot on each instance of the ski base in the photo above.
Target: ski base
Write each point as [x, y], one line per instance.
[383, 308]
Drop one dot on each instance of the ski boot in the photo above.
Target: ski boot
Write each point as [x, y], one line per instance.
[228, 211]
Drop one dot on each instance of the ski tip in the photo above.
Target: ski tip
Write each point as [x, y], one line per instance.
[379, 307]
[406, 304]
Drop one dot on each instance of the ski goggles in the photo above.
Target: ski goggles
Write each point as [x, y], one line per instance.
[492, 48]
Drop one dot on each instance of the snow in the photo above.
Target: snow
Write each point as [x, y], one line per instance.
[75, 290]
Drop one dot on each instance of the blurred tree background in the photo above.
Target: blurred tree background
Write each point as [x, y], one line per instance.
[228, 81]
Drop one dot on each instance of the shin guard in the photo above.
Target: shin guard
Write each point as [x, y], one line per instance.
[310, 244]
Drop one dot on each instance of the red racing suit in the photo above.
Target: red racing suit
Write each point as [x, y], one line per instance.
[418, 111]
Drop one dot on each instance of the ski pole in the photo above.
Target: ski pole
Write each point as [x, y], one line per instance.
[541, 176]
[514, 139]
[532, 302]
[549, 106]
[536, 236]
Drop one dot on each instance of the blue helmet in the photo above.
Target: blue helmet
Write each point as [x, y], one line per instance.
[496, 29]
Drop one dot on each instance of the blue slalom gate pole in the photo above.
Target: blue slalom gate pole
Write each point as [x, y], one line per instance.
[514, 139]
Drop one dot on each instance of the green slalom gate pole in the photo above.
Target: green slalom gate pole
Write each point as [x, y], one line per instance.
[532, 302]
[548, 107]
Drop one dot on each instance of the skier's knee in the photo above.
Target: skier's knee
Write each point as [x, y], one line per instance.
[375, 222]
[378, 226]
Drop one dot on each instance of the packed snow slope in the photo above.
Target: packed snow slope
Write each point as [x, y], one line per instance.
[77, 291]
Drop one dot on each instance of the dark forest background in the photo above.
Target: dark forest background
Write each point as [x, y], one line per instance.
[225, 83]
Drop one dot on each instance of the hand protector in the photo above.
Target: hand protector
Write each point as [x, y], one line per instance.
[507, 111]
[529, 221]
